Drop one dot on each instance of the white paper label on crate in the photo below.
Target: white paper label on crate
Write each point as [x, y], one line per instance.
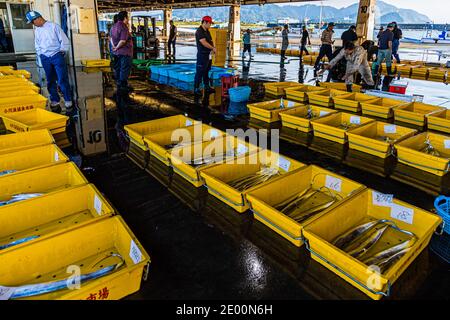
[381, 199]
[402, 213]
[188, 123]
[135, 253]
[447, 144]
[323, 113]
[390, 128]
[6, 292]
[214, 134]
[355, 120]
[56, 156]
[97, 205]
[290, 104]
[241, 149]
[333, 183]
[283, 163]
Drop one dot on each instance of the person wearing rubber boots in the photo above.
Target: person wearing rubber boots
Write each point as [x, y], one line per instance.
[205, 49]
[52, 45]
[385, 50]
[285, 41]
[356, 58]
[326, 49]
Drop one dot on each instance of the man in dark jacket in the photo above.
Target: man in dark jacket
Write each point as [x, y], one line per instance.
[305, 40]
[398, 34]
[349, 36]
[172, 38]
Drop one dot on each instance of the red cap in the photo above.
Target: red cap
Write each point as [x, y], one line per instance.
[207, 19]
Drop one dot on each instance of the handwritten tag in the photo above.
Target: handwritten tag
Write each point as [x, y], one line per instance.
[323, 113]
[6, 292]
[241, 149]
[402, 213]
[188, 123]
[447, 144]
[98, 205]
[355, 120]
[290, 104]
[214, 134]
[381, 199]
[135, 253]
[284, 163]
[56, 156]
[390, 128]
[333, 183]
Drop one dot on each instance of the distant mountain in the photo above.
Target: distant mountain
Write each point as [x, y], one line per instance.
[272, 13]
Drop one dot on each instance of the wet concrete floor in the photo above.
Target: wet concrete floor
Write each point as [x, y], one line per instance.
[202, 249]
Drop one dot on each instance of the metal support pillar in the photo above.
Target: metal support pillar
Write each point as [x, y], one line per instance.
[234, 31]
[166, 22]
[366, 20]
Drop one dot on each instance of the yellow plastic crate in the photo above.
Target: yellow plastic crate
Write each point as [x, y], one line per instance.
[17, 73]
[351, 101]
[18, 93]
[137, 131]
[439, 121]
[277, 89]
[157, 142]
[384, 68]
[339, 86]
[367, 138]
[329, 127]
[50, 214]
[20, 87]
[96, 63]
[19, 141]
[324, 98]
[264, 200]
[90, 249]
[34, 120]
[298, 118]
[357, 210]
[410, 153]
[13, 79]
[380, 107]
[415, 113]
[300, 94]
[6, 68]
[309, 59]
[19, 104]
[268, 111]
[44, 180]
[217, 177]
[30, 159]
[404, 70]
[230, 146]
[295, 52]
[437, 74]
[420, 73]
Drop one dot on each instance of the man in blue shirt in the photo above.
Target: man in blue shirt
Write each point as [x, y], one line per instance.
[385, 48]
[247, 43]
[51, 47]
[205, 48]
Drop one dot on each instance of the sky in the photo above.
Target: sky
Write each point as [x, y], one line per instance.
[436, 10]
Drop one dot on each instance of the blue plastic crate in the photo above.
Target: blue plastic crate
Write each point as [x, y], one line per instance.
[163, 80]
[440, 244]
[442, 205]
[154, 77]
[237, 108]
[187, 76]
[155, 69]
[186, 86]
[239, 94]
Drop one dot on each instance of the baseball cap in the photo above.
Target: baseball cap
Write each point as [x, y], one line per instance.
[207, 19]
[391, 25]
[331, 24]
[32, 15]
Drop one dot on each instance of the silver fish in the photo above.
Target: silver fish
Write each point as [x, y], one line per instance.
[363, 244]
[5, 172]
[389, 252]
[20, 197]
[348, 237]
[17, 242]
[385, 264]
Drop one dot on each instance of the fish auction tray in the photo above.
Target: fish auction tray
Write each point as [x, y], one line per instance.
[35, 119]
[439, 121]
[277, 89]
[217, 177]
[86, 249]
[268, 111]
[19, 141]
[26, 86]
[300, 94]
[137, 131]
[31, 159]
[408, 152]
[365, 138]
[157, 142]
[324, 98]
[329, 127]
[18, 93]
[44, 180]
[14, 105]
[339, 86]
[234, 147]
[297, 118]
[263, 200]
[24, 222]
[351, 101]
[380, 107]
[363, 207]
[415, 113]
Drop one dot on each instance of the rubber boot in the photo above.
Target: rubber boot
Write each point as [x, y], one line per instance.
[389, 71]
[349, 87]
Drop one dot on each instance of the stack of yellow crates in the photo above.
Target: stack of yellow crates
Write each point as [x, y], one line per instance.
[220, 38]
[52, 217]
